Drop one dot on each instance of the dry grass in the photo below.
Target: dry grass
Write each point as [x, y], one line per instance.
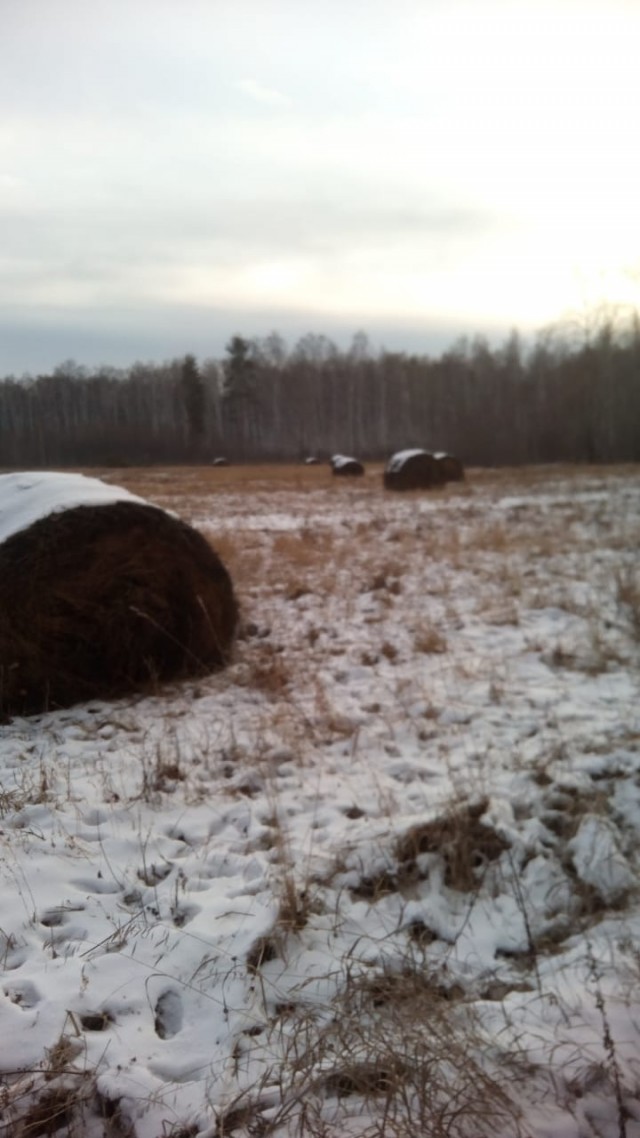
[529, 477]
[459, 838]
[388, 1059]
[456, 839]
[197, 480]
[265, 667]
[394, 1054]
[627, 584]
[57, 1099]
[429, 640]
[243, 557]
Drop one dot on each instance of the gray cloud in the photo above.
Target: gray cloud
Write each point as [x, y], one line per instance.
[121, 337]
[332, 164]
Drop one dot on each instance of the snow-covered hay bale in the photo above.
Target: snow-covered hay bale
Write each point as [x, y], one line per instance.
[102, 594]
[412, 470]
[312, 461]
[451, 468]
[220, 461]
[344, 466]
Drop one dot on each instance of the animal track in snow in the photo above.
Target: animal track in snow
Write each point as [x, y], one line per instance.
[154, 874]
[168, 1014]
[96, 885]
[95, 817]
[95, 1021]
[12, 953]
[57, 914]
[223, 865]
[23, 994]
[183, 914]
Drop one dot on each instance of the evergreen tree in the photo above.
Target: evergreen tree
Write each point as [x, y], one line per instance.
[193, 397]
[239, 393]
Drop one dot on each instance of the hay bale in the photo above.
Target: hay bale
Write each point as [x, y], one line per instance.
[451, 468]
[312, 461]
[220, 461]
[102, 594]
[346, 467]
[412, 470]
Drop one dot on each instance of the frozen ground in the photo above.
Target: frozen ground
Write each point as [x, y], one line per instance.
[378, 878]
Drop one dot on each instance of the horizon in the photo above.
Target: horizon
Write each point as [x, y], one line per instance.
[431, 344]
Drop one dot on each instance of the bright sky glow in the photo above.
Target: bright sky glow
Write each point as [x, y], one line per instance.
[172, 173]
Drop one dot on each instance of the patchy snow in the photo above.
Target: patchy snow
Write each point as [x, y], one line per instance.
[28, 496]
[408, 815]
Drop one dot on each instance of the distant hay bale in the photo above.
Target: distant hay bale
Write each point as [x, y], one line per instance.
[220, 461]
[102, 594]
[412, 470]
[312, 461]
[344, 466]
[451, 468]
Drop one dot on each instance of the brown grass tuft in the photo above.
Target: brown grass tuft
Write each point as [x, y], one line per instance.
[395, 1067]
[429, 640]
[460, 837]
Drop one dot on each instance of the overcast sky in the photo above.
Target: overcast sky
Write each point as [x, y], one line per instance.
[175, 171]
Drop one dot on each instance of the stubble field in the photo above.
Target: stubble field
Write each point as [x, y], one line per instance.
[380, 876]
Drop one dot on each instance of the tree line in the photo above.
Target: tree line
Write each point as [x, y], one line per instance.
[572, 394]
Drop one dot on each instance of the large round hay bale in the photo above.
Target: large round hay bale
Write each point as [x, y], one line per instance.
[412, 470]
[102, 594]
[346, 467]
[451, 468]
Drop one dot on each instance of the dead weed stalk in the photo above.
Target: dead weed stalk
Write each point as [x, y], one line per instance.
[389, 1058]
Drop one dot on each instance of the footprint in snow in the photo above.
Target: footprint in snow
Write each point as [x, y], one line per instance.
[58, 915]
[96, 885]
[168, 1015]
[23, 994]
[95, 817]
[183, 914]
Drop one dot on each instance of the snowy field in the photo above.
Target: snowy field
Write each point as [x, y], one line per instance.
[380, 877]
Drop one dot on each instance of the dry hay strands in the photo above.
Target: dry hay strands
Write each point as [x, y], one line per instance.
[451, 468]
[345, 467]
[98, 601]
[461, 838]
[413, 470]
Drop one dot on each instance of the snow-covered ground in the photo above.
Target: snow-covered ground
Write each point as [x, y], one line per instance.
[380, 877]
